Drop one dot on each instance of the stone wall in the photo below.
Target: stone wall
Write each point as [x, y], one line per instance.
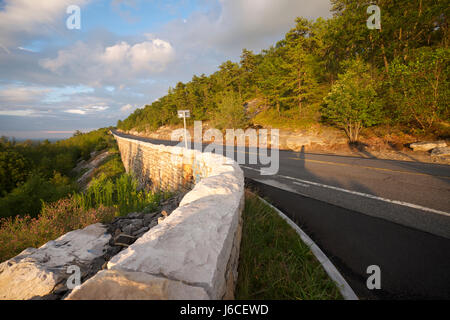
[192, 254]
[156, 166]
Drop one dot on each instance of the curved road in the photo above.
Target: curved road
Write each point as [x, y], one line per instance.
[366, 211]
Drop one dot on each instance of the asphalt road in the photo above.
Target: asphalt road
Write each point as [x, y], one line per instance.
[363, 212]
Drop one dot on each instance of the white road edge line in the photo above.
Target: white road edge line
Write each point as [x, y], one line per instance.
[345, 289]
[253, 169]
[366, 195]
[301, 184]
[401, 203]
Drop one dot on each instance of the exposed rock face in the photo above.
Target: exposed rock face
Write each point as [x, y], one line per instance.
[441, 152]
[89, 167]
[123, 285]
[291, 140]
[36, 272]
[427, 146]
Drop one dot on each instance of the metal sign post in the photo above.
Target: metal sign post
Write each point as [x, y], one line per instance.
[184, 114]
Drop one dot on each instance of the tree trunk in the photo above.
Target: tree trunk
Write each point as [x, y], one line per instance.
[383, 51]
[299, 91]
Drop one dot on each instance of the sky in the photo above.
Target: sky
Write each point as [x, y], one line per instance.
[126, 54]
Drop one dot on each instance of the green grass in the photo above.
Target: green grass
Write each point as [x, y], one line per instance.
[110, 168]
[274, 262]
[121, 193]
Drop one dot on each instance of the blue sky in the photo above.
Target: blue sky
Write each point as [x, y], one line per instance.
[127, 54]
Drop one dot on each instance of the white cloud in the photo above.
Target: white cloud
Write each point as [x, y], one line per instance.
[97, 65]
[26, 49]
[96, 108]
[25, 18]
[18, 113]
[122, 72]
[17, 94]
[151, 56]
[88, 109]
[126, 108]
[238, 24]
[76, 111]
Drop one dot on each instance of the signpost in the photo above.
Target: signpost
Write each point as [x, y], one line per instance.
[184, 114]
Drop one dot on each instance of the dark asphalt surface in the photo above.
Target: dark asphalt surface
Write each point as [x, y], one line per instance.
[414, 264]
[364, 212]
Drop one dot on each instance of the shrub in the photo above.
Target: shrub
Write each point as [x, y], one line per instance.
[33, 172]
[230, 113]
[13, 170]
[353, 102]
[121, 193]
[56, 219]
[27, 199]
[112, 168]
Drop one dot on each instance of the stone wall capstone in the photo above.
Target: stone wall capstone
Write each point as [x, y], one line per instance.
[192, 254]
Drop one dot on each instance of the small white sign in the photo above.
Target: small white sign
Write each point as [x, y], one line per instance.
[184, 114]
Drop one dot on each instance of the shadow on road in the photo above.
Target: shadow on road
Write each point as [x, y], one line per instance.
[414, 264]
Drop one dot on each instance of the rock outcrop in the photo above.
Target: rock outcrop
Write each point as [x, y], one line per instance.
[37, 272]
[441, 152]
[427, 146]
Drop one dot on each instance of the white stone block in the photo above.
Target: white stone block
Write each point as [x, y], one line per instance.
[35, 272]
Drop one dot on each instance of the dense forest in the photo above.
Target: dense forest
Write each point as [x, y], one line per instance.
[334, 72]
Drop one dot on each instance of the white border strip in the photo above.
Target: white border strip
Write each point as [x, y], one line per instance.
[345, 289]
[306, 183]
[401, 203]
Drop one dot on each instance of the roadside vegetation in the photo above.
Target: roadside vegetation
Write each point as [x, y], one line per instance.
[42, 200]
[122, 193]
[36, 172]
[54, 220]
[274, 262]
[335, 72]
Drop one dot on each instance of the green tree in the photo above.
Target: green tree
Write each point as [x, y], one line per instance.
[290, 79]
[271, 75]
[27, 199]
[420, 89]
[249, 63]
[13, 170]
[300, 79]
[230, 113]
[352, 103]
